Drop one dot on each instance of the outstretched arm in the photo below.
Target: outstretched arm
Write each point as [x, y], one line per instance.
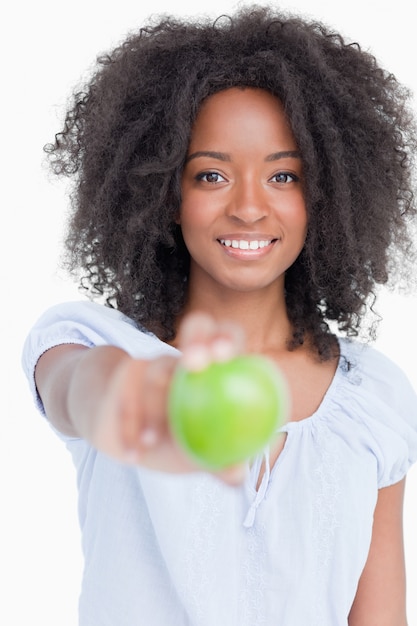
[380, 599]
[119, 404]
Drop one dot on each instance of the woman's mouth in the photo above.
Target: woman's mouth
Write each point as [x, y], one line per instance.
[246, 244]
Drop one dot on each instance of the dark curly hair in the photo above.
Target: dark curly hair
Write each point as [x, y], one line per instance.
[125, 140]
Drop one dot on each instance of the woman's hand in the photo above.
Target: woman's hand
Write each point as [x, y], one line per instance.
[202, 340]
[138, 397]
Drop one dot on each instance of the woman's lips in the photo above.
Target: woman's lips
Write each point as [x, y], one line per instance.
[247, 247]
[245, 244]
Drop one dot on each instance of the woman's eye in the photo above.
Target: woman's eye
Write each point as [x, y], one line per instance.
[284, 177]
[210, 177]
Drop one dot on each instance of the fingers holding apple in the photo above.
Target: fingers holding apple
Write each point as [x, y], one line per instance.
[228, 410]
[202, 340]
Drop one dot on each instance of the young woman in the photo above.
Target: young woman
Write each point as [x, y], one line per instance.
[241, 186]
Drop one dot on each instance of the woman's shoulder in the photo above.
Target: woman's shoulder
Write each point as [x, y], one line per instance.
[375, 372]
[90, 324]
[374, 401]
[82, 311]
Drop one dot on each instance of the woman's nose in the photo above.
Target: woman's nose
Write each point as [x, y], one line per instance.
[247, 202]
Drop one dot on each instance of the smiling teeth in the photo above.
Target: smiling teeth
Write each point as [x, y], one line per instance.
[243, 244]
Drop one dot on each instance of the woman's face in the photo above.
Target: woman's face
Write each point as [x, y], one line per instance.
[242, 213]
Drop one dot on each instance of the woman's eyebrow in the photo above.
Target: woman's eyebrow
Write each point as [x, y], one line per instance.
[221, 156]
[285, 154]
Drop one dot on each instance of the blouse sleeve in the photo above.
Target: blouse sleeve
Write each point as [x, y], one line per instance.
[88, 324]
[388, 409]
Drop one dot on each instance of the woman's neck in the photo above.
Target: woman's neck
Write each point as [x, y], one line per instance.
[263, 317]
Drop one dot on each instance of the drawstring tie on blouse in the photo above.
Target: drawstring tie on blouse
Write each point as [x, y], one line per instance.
[260, 493]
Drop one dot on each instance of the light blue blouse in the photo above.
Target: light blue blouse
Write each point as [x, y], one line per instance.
[187, 550]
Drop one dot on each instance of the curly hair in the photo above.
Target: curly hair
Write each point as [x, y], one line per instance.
[125, 140]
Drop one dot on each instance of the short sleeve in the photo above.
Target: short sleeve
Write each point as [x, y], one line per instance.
[387, 405]
[88, 324]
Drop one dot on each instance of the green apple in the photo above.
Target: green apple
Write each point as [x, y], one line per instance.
[229, 411]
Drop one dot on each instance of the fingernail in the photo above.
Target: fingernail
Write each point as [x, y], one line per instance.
[222, 350]
[196, 358]
[148, 437]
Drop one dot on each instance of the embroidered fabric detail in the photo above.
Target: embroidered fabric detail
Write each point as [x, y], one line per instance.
[201, 546]
[326, 513]
[252, 596]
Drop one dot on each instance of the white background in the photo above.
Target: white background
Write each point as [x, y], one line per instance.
[46, 47]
